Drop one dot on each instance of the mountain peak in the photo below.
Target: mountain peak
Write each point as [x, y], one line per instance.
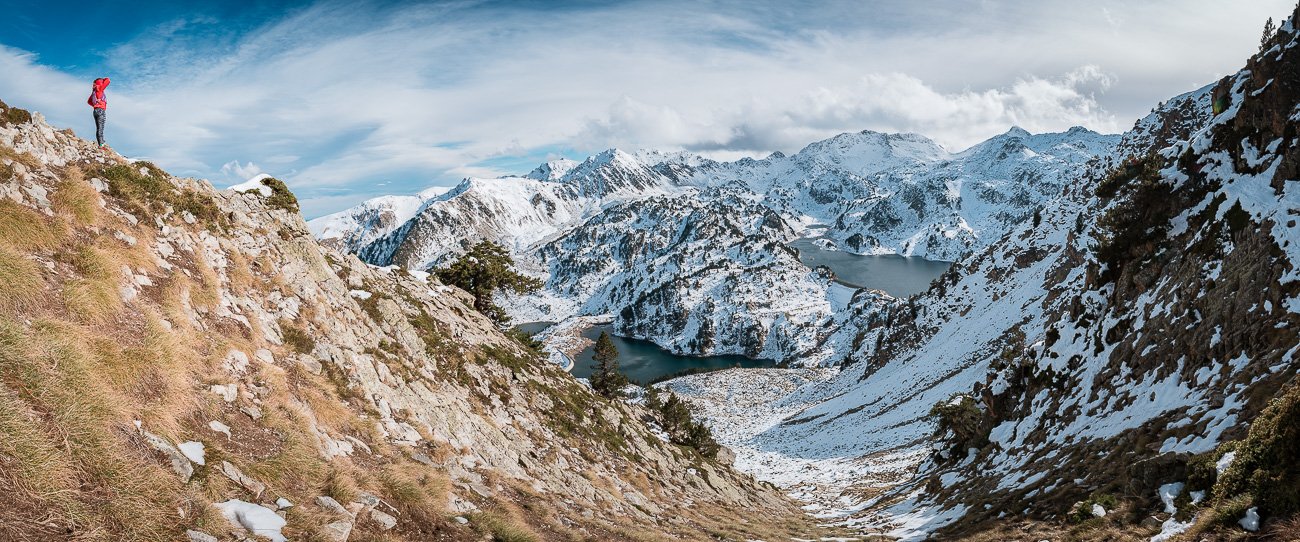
[553, 170]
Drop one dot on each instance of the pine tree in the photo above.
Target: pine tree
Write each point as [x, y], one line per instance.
[676, 419]
[1269, 30]
[606, 379]
[484, 270]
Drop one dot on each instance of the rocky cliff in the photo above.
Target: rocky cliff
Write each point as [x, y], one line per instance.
[1095, 373]
[177, 361]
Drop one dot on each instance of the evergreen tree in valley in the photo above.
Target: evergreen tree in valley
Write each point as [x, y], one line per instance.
[606, 379]
[484, 270]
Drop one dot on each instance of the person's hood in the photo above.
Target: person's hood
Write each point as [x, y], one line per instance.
[101, 83]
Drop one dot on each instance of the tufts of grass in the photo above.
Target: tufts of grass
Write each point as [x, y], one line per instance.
[24, 229]
[10, 115]
[75, 198]
[340, 485]
[281, 197]
[296, 338]
[20, 280]
[501, 528]
[144, 189]
[93, 296]
[55, 407]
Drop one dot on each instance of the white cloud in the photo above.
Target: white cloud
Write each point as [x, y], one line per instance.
[240, 172]
[336, 98]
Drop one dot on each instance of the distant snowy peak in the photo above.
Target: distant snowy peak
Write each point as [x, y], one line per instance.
[868, 152]
[1078, 144]
[553, 170]
[614, 173]
[354, 228]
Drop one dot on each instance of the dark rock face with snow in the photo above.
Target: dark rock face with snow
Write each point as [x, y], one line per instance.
[587, 228]
[1101, 351]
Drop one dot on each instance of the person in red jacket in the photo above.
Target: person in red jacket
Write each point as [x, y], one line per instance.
[98, 101]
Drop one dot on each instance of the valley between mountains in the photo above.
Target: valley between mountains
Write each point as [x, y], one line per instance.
[1097, 339]
[1119, 308]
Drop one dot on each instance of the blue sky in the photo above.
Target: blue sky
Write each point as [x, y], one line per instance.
[348, 100]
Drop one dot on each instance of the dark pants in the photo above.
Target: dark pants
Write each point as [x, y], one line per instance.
[99, 125]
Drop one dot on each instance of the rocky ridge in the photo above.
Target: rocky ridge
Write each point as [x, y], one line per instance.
[178, 359]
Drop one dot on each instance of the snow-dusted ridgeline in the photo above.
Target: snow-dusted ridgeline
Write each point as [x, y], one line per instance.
[868, 192]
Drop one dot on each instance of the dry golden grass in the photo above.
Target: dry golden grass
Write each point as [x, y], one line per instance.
[93, 295]
[75, 198]
[24, 229]
[31, 162]
[57, 410]
[20, 280]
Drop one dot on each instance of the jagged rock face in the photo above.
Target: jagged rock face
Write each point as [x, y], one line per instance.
[276, 344]
[703, 277]
[874, 193]
[1150, 314]
[515, 211]
[356, 228]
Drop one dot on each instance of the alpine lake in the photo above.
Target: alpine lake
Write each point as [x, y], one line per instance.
[645, 362]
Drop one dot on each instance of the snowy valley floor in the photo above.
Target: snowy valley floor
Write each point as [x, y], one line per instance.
[743, 405]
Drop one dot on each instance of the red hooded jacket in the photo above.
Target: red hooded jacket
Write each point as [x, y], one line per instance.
[97, 99]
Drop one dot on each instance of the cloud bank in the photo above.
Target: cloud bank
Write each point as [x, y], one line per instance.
[336, 98]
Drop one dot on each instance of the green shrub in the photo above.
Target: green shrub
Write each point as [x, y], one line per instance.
[1082, 511]
[527, 341]
[961, 423]
[1265, 465]
[14, 115]
[677, 420]
[281, 197]
[144, 189]
[1137, 220]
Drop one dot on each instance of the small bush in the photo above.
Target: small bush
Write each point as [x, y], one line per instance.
[527, 341]
[14, 115]
[1082, 511]
[144, 189]
[281, 197]
[677, 420]
[960, 421]
[1265, 464]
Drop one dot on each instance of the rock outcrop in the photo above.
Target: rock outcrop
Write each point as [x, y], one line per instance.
[138, 310]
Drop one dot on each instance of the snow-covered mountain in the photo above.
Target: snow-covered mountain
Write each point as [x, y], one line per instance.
[354, 228]
[1099, 354]
[866, 192]
[709, 276]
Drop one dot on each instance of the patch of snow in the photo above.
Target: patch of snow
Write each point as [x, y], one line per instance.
[1251, 521]
[193, 450]
[258, 520]
[1168, 493]
[1224, 462]
[252, 184]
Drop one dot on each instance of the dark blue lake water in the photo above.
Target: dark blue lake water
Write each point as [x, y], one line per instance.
[899, 276]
